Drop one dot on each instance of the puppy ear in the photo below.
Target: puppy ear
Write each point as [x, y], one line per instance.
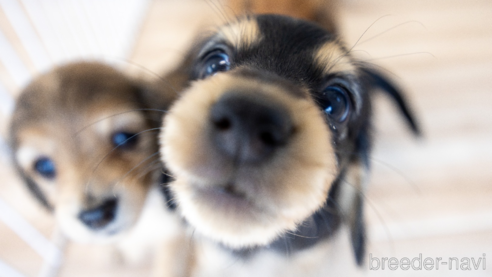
[351, 193]
[351, 204]
[358, 230]
[378, 80]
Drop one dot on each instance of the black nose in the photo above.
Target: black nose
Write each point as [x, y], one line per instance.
[248, 127]
[100, 216]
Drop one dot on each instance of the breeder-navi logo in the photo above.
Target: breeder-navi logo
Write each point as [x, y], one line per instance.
[428, 263]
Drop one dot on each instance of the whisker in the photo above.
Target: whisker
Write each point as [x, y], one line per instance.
[135, 167]
[116, 147]
[164, 172]
[217, 9]
[408, 180]
[171, 200]
[392, 28]
[375, 210]
[367, 29]
[116, 114]
[367, 64]
[153, 166]
[349, 51]
[401, 55]
[300, 236]
[234, 14]
[145, 69]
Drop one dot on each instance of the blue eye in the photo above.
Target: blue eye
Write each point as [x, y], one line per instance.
[334, 101]
[214, 62]
[45, 167]
[124, 140]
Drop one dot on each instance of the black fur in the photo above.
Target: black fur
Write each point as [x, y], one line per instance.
[320, 226]
[378, 80]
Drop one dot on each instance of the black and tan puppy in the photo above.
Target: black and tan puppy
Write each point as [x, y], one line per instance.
[83, 142]
[269, 144]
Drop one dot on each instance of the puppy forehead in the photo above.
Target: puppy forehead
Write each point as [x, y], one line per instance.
[290, 48]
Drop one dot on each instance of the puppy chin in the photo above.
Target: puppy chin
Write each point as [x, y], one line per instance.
[241, 221]
[233, 221]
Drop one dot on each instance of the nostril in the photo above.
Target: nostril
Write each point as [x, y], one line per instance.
[101, 216]
[223, 124]
[268, 139]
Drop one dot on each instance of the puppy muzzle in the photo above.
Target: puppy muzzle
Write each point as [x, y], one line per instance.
[252, 157]
[100, 216]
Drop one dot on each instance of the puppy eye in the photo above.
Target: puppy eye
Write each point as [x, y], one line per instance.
[124, 140]
[335, 102]
[215, 62]
[45, 167]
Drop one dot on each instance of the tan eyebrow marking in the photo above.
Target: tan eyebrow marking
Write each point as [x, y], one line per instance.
[331, 57]
[241, 34]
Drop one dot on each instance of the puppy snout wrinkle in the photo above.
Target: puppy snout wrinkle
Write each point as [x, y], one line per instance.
[247, 128]
[100, 216]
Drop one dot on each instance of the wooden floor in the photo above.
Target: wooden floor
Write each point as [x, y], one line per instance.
[430, 196]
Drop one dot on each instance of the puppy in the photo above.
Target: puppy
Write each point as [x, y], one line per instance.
[84, 139]
[269, 147]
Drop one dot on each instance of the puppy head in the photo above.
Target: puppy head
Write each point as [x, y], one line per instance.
[255, 142]
[79, 141]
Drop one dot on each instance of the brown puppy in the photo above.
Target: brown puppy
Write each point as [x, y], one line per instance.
[269, 146]
[80, 141]
[84, 139]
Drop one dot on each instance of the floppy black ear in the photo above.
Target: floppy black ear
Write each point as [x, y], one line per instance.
[358, 231]
[378, 80]
[351, 192]
[350, 203]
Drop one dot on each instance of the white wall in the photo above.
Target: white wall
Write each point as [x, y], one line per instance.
[37, 34]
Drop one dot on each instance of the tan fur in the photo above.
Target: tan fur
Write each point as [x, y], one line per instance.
[242, 34]
[279, 195]
[333, 58]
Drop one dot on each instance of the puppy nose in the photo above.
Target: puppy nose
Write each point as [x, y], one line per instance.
[100, 216]
[249, 128]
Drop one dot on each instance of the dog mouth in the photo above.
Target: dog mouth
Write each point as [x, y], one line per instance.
[227, 198]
